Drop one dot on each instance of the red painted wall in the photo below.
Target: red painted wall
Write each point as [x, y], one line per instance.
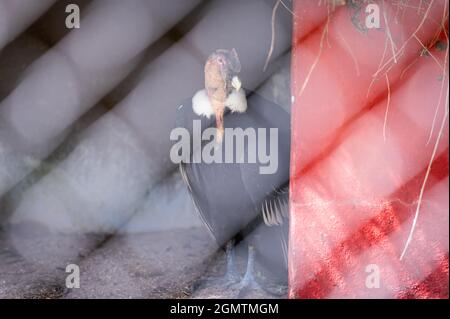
[368, 119]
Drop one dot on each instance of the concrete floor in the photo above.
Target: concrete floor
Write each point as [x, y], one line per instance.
[166, 264]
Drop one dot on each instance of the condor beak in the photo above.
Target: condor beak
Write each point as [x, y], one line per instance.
[236, 83]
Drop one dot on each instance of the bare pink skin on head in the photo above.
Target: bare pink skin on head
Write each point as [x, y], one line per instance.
[219, 70]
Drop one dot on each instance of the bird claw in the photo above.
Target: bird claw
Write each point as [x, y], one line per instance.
[243, 285]
[231, 278]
